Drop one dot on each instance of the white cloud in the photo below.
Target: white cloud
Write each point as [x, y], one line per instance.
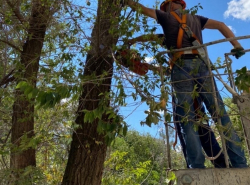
[239, 9]
[232, 29]
[149, 59]
[65, 100]
[161, 112]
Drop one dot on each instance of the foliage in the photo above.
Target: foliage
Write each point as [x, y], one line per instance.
[29, 175]
[242, 80]
[125, 173]
[54, 128]
[234, 115]
[194, 10]
[137, 159]
[133, 159]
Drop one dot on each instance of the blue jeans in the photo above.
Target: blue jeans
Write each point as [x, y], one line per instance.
[186, 75]
[208, 141]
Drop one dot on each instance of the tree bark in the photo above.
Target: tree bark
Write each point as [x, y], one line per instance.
[88, 147]
[23, 109]
[243, 104]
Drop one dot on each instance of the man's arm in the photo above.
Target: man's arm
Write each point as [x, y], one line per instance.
[213, 24]
[225, 31]
[140, 8]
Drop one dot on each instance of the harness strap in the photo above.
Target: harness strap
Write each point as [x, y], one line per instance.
[181, 31]
[183, 27]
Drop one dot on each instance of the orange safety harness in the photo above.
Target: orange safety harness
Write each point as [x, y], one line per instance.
[183, 27]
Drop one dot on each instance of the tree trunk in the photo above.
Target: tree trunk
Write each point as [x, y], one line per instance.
[23, 109]
[88, 147]
[243, 104]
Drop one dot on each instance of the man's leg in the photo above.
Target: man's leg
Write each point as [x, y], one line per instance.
[177, 119]
[207, 137]
[211, 146]
[182, 142]
[183, 86]
[195, 157]
[235, 152]
[208, 143]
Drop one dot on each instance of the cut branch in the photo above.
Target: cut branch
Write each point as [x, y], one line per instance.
[202, 45]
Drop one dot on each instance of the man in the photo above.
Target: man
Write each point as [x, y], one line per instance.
[207, 137]
[191, 70]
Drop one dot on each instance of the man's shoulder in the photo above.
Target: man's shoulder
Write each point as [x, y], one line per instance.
[161, 15]
[200, 16]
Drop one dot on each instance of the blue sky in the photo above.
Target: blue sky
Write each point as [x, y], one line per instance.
[236, 15]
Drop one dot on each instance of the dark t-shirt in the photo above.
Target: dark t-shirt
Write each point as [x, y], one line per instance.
[170, 27]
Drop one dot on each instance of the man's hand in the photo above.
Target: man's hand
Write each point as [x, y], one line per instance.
[130, 42]
[135, 6]
[238, 52]
[123, 3]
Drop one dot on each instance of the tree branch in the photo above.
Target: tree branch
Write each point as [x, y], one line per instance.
[16, 10]
[11, 45]
[7, 79]
[202, 45]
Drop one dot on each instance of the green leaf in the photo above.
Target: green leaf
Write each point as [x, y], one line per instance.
[171, 177]
[125, 130]
[168, 117]
[21, 84]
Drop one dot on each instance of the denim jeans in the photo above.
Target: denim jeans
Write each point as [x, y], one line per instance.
[189, 76]
[208, 142]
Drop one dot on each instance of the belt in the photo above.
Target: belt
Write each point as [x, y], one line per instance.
[189, 56]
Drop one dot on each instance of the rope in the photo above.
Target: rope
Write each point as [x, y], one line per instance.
[212, 158]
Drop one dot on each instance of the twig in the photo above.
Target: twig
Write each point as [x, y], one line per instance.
[16, 11]
[231, 90]
[11, 45]
[148, 175]
[7, 79]
[169, 166]
[213, 158]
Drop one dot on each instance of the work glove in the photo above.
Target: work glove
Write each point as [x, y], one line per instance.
[238, 52]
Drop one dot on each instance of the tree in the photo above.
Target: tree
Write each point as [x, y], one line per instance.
[88, 147]
[23, 108]
[26, 23]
